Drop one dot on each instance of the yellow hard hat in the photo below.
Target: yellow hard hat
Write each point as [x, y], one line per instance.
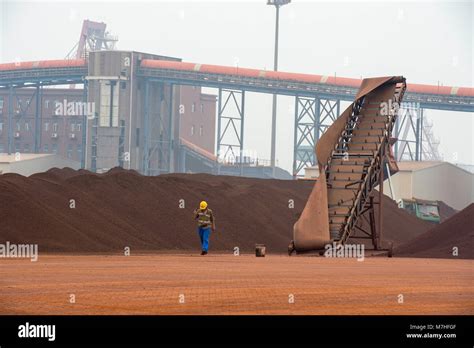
[203, 205]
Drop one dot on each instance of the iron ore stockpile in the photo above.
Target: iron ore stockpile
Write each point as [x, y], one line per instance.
[123, 208]
[63, 210]
[398, 225]
[445, 211]
[457, 231]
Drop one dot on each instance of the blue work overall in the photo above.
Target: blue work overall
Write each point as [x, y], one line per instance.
[204, 233]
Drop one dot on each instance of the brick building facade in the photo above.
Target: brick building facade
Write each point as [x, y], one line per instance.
[61, 131]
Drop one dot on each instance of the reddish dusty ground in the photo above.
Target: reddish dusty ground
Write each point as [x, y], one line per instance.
[227, 284]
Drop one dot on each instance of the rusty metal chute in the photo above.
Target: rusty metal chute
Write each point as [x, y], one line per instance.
[351, 155]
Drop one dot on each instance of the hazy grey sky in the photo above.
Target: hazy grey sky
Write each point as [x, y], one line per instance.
[427, 42]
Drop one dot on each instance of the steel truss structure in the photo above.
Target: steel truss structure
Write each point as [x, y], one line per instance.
[296, 88]
[413, 130]
[49, 76]
[230, 125]
[312, 117]
[93, 38]
[429, 144]
[316, 106]
[408, 131]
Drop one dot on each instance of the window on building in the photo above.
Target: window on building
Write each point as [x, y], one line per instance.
[1, 105]
[2, 148]
[78, 126]
[17, 147]
[79, 150]
[18, 126]
[45, 148]
[109, 104]
[192, 130]
[1, 126]
[69, 150]
[201, 130]
[27, 126]
[26, 148]
[193, 107]
[73, 127]
[202, 108]
[55, 127]
[46, 104]
[55, 148]
[46, 126]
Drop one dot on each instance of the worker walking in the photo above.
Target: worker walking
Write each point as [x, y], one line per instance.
[206, 223]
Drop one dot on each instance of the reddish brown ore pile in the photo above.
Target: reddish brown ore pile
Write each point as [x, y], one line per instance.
[457, 231]
[398, 226]
[445, 211]
[122, 208]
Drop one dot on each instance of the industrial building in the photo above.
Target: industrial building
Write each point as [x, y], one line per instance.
[57, 133]
[137, 118]
[436, 180]
[124, 116]
[51, 120]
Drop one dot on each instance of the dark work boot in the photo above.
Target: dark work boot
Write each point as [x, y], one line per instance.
[204, 253]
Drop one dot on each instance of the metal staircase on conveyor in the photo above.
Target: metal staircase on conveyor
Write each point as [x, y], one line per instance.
[356, 164]
[353, 163]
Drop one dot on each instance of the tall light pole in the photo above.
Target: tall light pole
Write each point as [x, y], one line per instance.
[277, 4]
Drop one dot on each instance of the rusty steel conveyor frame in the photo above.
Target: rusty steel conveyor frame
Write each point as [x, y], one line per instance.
[311, 231]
